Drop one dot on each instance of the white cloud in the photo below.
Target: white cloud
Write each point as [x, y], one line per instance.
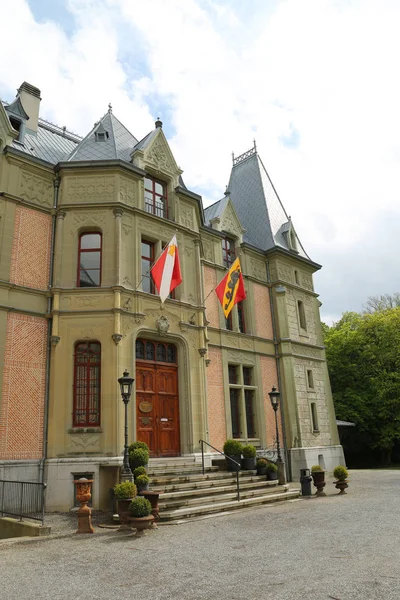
[223, 73]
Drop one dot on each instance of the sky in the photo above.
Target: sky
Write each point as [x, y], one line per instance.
[314, 82]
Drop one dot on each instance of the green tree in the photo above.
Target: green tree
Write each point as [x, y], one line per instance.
[363, 353]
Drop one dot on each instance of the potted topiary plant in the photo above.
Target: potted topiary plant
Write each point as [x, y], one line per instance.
[139, 471]
[140, 514]
[142, 482]
[341, 474]
[318, 475]
[249, 457]
[138, 458]
[136, 445]
[124, 493]
[272, 471]
[233, 449]
[261, 466]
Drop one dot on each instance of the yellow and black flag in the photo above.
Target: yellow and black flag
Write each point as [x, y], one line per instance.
[231, 289]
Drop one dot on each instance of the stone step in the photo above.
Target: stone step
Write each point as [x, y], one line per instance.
[167, 470]
[224, 495]
[207, 479]
[215, 490]
[220, 507]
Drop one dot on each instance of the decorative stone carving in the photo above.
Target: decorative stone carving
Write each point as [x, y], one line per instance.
[202, 352]
[239, 357]
[117, 337]
[258, 269]
[87, 301]
[162, 233]
[285, 273]
[127, 282]
[208, 250]
[85, 219]
[191, 298]
[128, 303]
[307, 352]
[162, 325]
[89, 189]
[127, 191]
[186, 216]
[84, 441]
[54, 340]
[158, 157]
[126, 224]
[36, 189]
[188, 250]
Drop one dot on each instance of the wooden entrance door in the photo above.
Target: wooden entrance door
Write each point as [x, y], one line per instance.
[157, 405]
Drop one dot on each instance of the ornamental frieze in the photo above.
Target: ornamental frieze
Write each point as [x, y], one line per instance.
[257, 269]
[36, 189]
[127, 191]
[89, 189]
[186, 216]
[239, 357]
[157, 156]
[208, 251]
[306, 352]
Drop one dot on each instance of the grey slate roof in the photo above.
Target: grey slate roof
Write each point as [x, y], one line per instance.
[215, 210]
[50, 144]
[258, 206]
[117, 146]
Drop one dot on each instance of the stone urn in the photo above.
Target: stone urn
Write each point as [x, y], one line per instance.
[341, 485]
[153, 499]
[319, 482]
[141, 523]
[83, 495]
[123, 512]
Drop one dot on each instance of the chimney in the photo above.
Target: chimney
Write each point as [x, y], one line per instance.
[30, 99]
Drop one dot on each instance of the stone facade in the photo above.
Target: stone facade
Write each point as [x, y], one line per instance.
[45, 313]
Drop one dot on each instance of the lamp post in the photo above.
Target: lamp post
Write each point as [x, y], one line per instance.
[274, 396]
[125, 384]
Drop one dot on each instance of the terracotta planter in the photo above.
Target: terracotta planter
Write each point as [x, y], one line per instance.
[341, 485]
[141, 523]
[319, 482]
[123, 512]
[83, 495]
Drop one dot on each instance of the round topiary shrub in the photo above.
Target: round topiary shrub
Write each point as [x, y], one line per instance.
[125, 490]
[142, 481]
[261, 463]
[140, 507]
[316, 469]
[136, 445]
[340, 473]
[249, 451]
[233, 448]
[271, 467]
[138, 458]
[139, 471]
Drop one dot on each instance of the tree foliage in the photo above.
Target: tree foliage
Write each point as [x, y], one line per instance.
[363, 354]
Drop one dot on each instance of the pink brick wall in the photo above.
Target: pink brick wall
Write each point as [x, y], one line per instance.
[30, 255]
[262, 312]
[22, 406]
[269, 378]
[215, 396]
[212, 302]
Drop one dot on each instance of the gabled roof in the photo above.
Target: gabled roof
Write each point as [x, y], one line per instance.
[118, 144]
[258, 206]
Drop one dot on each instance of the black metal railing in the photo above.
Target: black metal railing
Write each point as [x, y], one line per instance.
[22, 499]
[202, 442]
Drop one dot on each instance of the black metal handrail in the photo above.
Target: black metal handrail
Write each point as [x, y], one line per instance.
[23, 499]
[202, 442]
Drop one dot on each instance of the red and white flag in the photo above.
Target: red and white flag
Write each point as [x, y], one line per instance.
[166, 272]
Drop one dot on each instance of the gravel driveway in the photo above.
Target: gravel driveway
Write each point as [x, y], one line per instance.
[341, 548]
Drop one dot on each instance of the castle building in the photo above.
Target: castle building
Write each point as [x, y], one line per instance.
[81, 223]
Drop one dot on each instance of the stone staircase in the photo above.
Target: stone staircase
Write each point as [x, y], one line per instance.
[185, 493]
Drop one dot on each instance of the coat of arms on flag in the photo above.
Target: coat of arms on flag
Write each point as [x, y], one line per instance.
[166, 272]
[231, 289]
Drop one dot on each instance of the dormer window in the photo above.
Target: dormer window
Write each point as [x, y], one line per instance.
[101, 136]
[18, 118]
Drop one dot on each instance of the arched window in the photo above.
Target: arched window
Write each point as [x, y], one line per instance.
[87, 375]
[89, 260]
